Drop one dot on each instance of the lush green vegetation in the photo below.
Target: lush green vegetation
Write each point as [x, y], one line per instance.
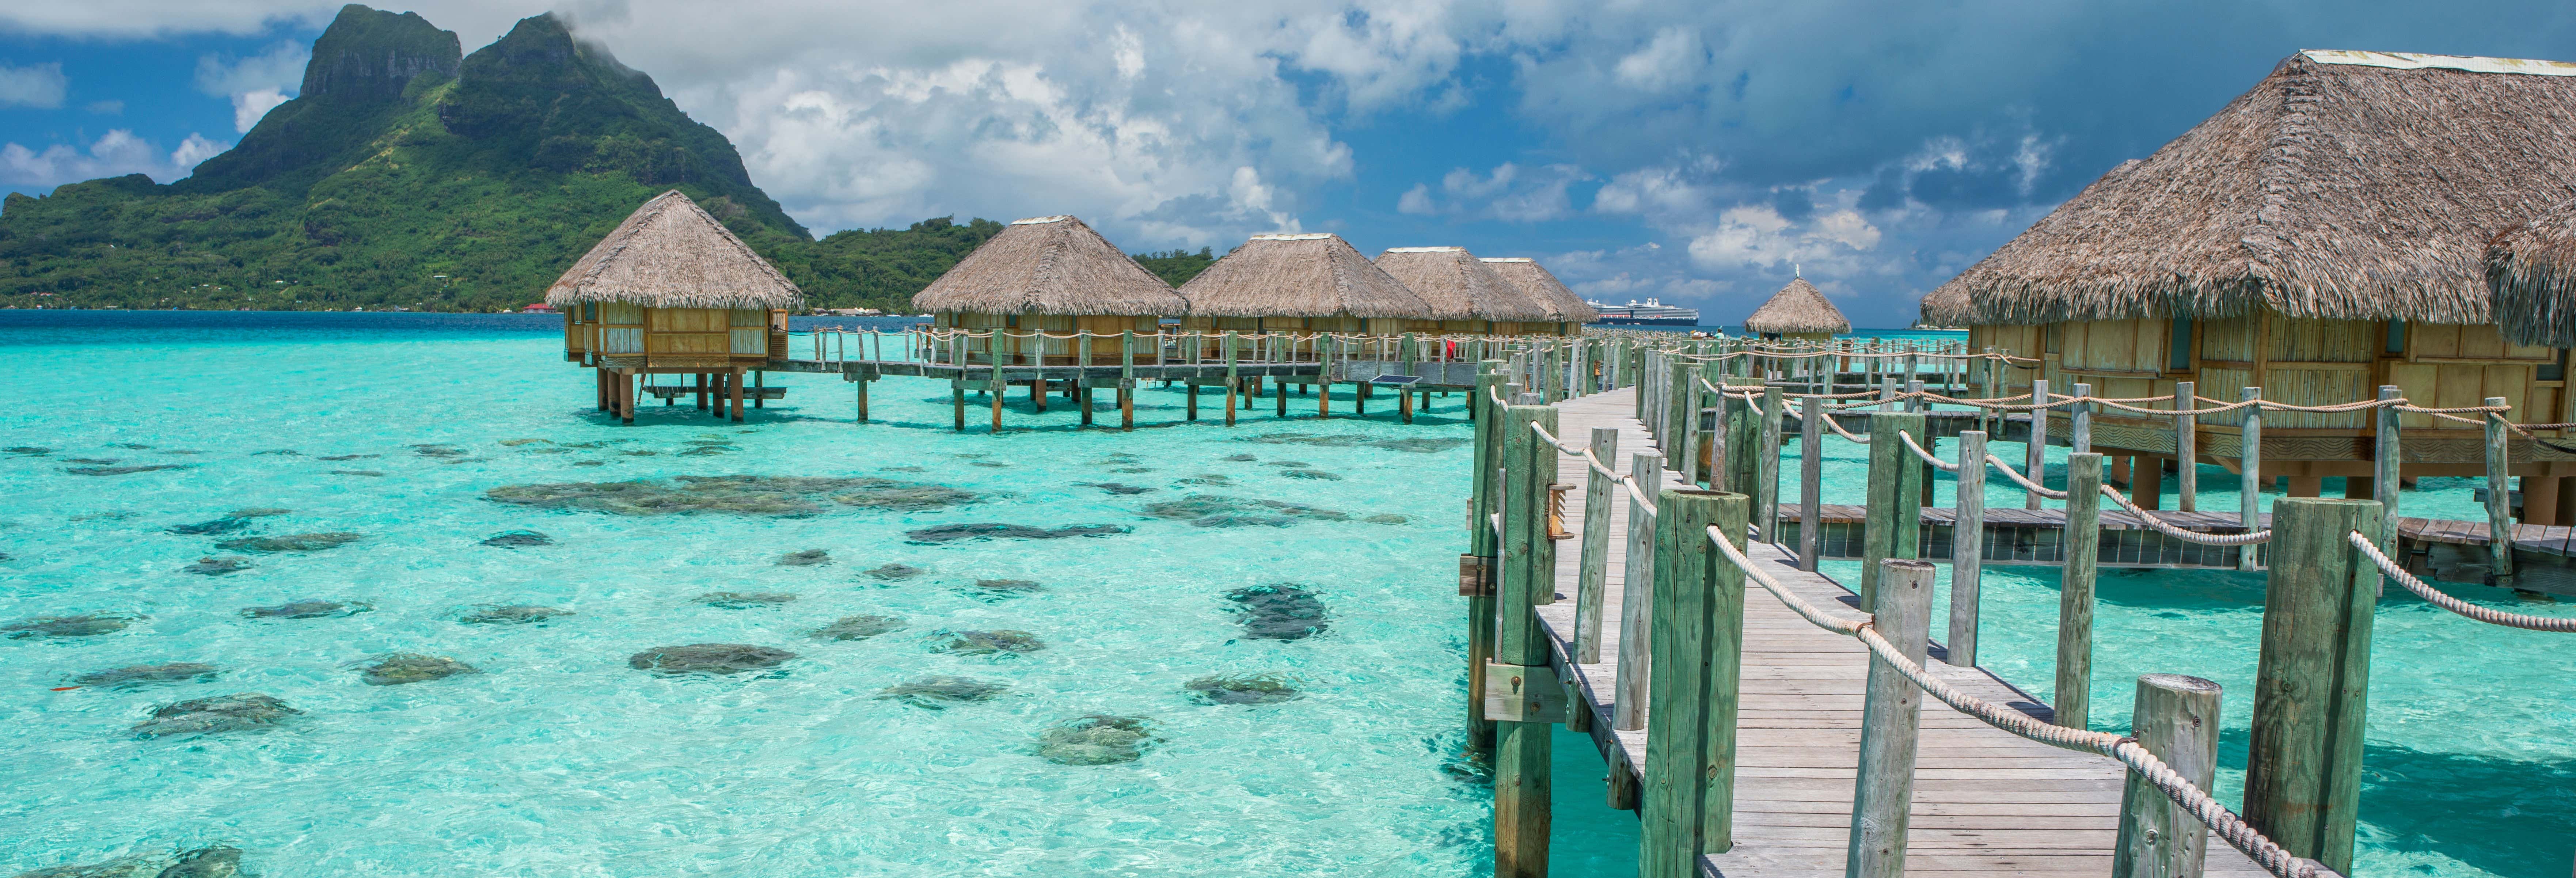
[406, 176]
[1178, 266]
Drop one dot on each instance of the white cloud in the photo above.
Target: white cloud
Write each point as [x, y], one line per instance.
[1672, 59]
[1757, 236]
[1509, 193]
[1417, 201]
[116, 154]
[35, 85]
[256, 84]
[106, 108]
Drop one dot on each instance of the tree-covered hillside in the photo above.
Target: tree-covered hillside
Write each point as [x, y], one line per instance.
[406, 175]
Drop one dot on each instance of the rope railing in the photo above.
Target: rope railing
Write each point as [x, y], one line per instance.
[2222, 822]
[2026, 483]
[1837, 427]
[2249, 537]
[2437, 598]
[1927, 457]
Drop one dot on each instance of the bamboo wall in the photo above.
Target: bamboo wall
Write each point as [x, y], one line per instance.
[673, 337]
[1024, 351]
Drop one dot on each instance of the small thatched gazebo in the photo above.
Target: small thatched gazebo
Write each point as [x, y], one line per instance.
[2531, 269]
[1798, 311]
[1051, 274]
[1299, 282]
[1466, 295]
[1564, 308]
[672, 291]
[2324, 234]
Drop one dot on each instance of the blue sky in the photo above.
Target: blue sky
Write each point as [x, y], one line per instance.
[1696, 151]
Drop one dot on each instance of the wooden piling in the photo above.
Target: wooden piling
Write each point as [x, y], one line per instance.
[1681, 420]
[1522, 749]
[1484, 545]
[1967, 549]
[2387, 445]
[863, 397]
[957, 399]
[2082, 544]
[2249, 462]
[2079, 435]
[2500, 528]
[1811, 479]
[1894, 525]
[1698, 643]
[1891, 717]
[2186, 447]
[2303, 760]
[1637, 600]
[1766, 468]
[2035, 456]
[2175, 718]
[1591, 578]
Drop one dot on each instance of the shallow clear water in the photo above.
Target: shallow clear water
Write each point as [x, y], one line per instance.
[560, 759]
[2470, 759]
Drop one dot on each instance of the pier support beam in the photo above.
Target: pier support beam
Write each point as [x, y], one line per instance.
[2082, 544]
[1483, 545]
[1523, 748]
[2303, 760]
[1697, 646]
[2176, 718]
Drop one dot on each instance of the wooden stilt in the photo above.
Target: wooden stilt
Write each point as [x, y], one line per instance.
[1126, 408]
[759, 379]
[626, 397]
[863, 399]
[996, 394]
[2539, 499]
[1281, 393]
[599, 389]
[1038, 393]
[2147, 483]
[1404, 405]
[2306, 486]
[700, 385]
[1230, 391]
[733, 385]
[1323, 399]
[1359, 398]
[1082, 397]
[957, 398]
[1193, 394]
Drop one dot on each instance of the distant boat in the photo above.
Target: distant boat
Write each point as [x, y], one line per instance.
[1647, 313]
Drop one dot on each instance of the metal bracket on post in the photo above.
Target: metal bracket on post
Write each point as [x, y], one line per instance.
[1523, 694]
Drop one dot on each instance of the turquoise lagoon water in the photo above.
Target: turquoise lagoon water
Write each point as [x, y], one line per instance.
[2470, 762]
[560, 759]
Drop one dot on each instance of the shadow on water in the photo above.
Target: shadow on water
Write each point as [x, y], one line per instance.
[2457, 805]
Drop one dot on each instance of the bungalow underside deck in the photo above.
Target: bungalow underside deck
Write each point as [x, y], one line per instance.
[1430, 375]
[1985, 802]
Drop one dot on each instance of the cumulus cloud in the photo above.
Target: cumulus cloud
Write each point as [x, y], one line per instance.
[38, 85]
[256, 84]
[116, 154]
[1509, 192]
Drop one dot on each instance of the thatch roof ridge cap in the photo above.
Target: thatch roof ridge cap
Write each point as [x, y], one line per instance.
[1293, 236]
[1504, 259]
[2424, 61]
[1036, 220]
[1426, 249]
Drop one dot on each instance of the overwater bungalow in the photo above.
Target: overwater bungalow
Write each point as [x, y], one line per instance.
[1568, 311]
[673, 292]
[2321, 236]
[1314, 282]
[1798, 311]
[1050, 274]
[1465, 294]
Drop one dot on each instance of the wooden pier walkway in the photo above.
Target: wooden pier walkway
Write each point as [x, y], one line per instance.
[1985, 802]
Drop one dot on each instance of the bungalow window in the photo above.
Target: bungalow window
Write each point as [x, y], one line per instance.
[2396, 338]
[1011, 321]
[2179, 357]
[2554, 370]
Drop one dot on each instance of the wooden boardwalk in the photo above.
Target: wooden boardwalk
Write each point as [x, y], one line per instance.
[1985, 801]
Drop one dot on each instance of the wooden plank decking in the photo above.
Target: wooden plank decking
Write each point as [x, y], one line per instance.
[1985, 802]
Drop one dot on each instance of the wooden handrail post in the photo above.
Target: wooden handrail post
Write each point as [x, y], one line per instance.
[1891, 716]
[1766, 468]
[2249, 461]
[2186, 446]
[2035, 458]
[1811, 480]
[2081, 543]
[1127, 380]
[2386, 453]
[1698, 641]
[2176, 718]
[1894, 525]
[1967, 549]
[1522, 748]
[1681, 420]
[2500, 530]
[1637, 600]
[2311, 686]
[1484, 545]
[1591, 580]
[2079, 435]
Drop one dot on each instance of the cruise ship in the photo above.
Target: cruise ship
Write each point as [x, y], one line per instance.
[1647, 313]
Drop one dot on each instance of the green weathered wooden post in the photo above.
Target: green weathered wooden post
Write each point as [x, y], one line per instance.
[2249, 464]
[1743, 443]
[2186, 447]
[1522, 745]
[1592, 581]
[2387, 447]
[1477, 571]
[2035, 460]
[2176, 718]
[1682, 421]
[1127, 379]
[1967, 549]
[1891, 722]
[2303, 760]
[1895, 518]
[2500, 531]
[1697, 643]
[2081, 543]
[1811, 474]
[1766, 468]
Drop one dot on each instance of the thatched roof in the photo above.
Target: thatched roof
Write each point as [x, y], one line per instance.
[1537, 282]
[2532, 270]
[1797, 308]
[671, 254]
[1049, 265]
[2345, 185]
[1299, 275]
[1458, 286]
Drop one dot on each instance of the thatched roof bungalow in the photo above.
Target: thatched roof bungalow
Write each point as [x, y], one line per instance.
[1535, 281]
[2322, 235]
[1051, 275]
[1798, 311]
[673, 290]
[1299, 282]
[2531, 269]
[1466, 295]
